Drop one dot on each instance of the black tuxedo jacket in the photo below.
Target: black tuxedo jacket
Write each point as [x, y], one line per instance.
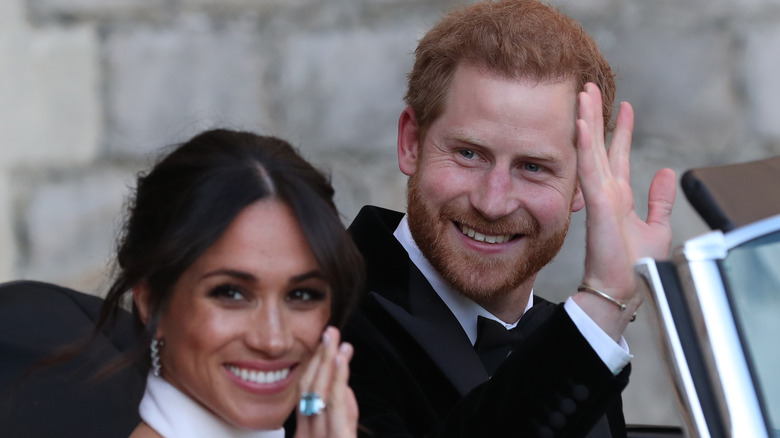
[38, 320]
[416, 374]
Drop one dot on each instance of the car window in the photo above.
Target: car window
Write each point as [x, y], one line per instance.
[752, 274]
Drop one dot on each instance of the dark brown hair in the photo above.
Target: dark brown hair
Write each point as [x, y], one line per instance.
[186, 202]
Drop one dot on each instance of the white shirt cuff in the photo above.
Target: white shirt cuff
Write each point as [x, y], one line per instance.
[614, 355]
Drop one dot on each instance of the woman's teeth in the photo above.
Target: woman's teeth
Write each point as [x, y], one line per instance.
[256, 376]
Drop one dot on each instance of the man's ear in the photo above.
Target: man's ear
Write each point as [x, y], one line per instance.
[578, 201]
[408, 146]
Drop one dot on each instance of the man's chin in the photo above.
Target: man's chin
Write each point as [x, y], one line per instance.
[486, 286]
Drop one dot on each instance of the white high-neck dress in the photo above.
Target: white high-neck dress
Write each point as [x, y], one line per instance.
[173, 414]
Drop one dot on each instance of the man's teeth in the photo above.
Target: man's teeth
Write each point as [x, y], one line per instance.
[255, 376]
[479, 237]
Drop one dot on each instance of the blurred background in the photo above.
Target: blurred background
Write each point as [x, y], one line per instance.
[90, 90]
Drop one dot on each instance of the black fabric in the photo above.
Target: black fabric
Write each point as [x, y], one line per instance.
[416, 374]
[38, 320]
[494, 342]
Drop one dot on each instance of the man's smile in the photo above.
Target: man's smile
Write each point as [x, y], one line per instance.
[487, 238]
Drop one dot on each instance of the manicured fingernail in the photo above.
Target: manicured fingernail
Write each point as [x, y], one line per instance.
[325, 338]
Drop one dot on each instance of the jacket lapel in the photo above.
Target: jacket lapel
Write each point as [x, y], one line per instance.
[404, 293]
[438, 332]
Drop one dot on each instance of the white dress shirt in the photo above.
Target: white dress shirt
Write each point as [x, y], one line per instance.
[614, 355]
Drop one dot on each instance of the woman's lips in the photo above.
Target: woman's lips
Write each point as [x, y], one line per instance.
[269, 380]
[258, 376]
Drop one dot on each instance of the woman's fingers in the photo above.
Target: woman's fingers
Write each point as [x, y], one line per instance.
[343, 412]
[321, 383]
[310, 418]
[326, 379]
[314, 363]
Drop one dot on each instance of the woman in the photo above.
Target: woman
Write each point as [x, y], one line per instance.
[237, 261]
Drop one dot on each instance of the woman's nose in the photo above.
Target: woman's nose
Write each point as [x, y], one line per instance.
[269, 334]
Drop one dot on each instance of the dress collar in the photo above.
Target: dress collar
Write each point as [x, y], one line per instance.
[173, 414]
[465, 310]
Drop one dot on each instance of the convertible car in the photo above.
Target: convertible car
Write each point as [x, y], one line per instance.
[718, 303]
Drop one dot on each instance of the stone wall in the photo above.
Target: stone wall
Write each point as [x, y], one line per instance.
[89, 89]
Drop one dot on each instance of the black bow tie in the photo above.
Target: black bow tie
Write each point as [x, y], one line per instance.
[494, 342]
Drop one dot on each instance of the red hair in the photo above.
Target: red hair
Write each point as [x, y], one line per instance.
[516, 39]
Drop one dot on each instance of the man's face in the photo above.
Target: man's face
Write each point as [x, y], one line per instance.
[492, 188]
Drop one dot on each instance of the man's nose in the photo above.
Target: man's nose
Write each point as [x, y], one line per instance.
[495, 195]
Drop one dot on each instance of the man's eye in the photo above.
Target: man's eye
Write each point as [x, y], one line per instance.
[305, 295]
[467, 153]
[227, 292]
[531, 167]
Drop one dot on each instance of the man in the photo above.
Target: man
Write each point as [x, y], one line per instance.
[503, 137]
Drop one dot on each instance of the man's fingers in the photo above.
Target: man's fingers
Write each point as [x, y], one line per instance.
[598, 112]
[661, 198]
[620, 147]
[593, 164]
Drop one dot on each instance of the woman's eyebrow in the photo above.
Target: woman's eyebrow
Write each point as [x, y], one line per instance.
[246, 276]
[241, 275]
[315, 273]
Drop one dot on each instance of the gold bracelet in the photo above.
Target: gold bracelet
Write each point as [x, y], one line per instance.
[585, 288]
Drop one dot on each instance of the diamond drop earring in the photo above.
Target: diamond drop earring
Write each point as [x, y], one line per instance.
[155, 348]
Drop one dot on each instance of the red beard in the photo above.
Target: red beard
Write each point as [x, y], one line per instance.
[482, 278]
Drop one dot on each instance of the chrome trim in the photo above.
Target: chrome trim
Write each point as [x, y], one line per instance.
[709, 246]
[701, 280]
[696, 423]
[752, 231]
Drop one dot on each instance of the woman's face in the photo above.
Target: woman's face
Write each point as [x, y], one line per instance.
[245, 319]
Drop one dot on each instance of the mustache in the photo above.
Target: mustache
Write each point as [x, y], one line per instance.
[518, 223]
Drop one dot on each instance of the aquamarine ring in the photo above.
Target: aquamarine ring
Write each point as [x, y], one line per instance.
[311, 404]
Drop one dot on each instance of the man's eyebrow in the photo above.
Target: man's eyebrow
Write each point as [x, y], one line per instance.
[466, 139]
[536, 156]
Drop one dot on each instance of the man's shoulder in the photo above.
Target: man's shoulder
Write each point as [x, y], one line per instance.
[387, 263]
[372, 219]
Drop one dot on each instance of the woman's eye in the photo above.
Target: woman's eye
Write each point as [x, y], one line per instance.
[467, 154]
[305, 295]
[227, 292]
[531, 167]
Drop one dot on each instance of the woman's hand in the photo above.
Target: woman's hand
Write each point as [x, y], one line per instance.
[327, 376]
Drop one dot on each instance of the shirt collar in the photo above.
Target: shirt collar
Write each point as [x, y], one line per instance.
[171, 413]
[464, 309]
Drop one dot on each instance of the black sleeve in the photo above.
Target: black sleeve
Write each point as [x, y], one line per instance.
[38, 320]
